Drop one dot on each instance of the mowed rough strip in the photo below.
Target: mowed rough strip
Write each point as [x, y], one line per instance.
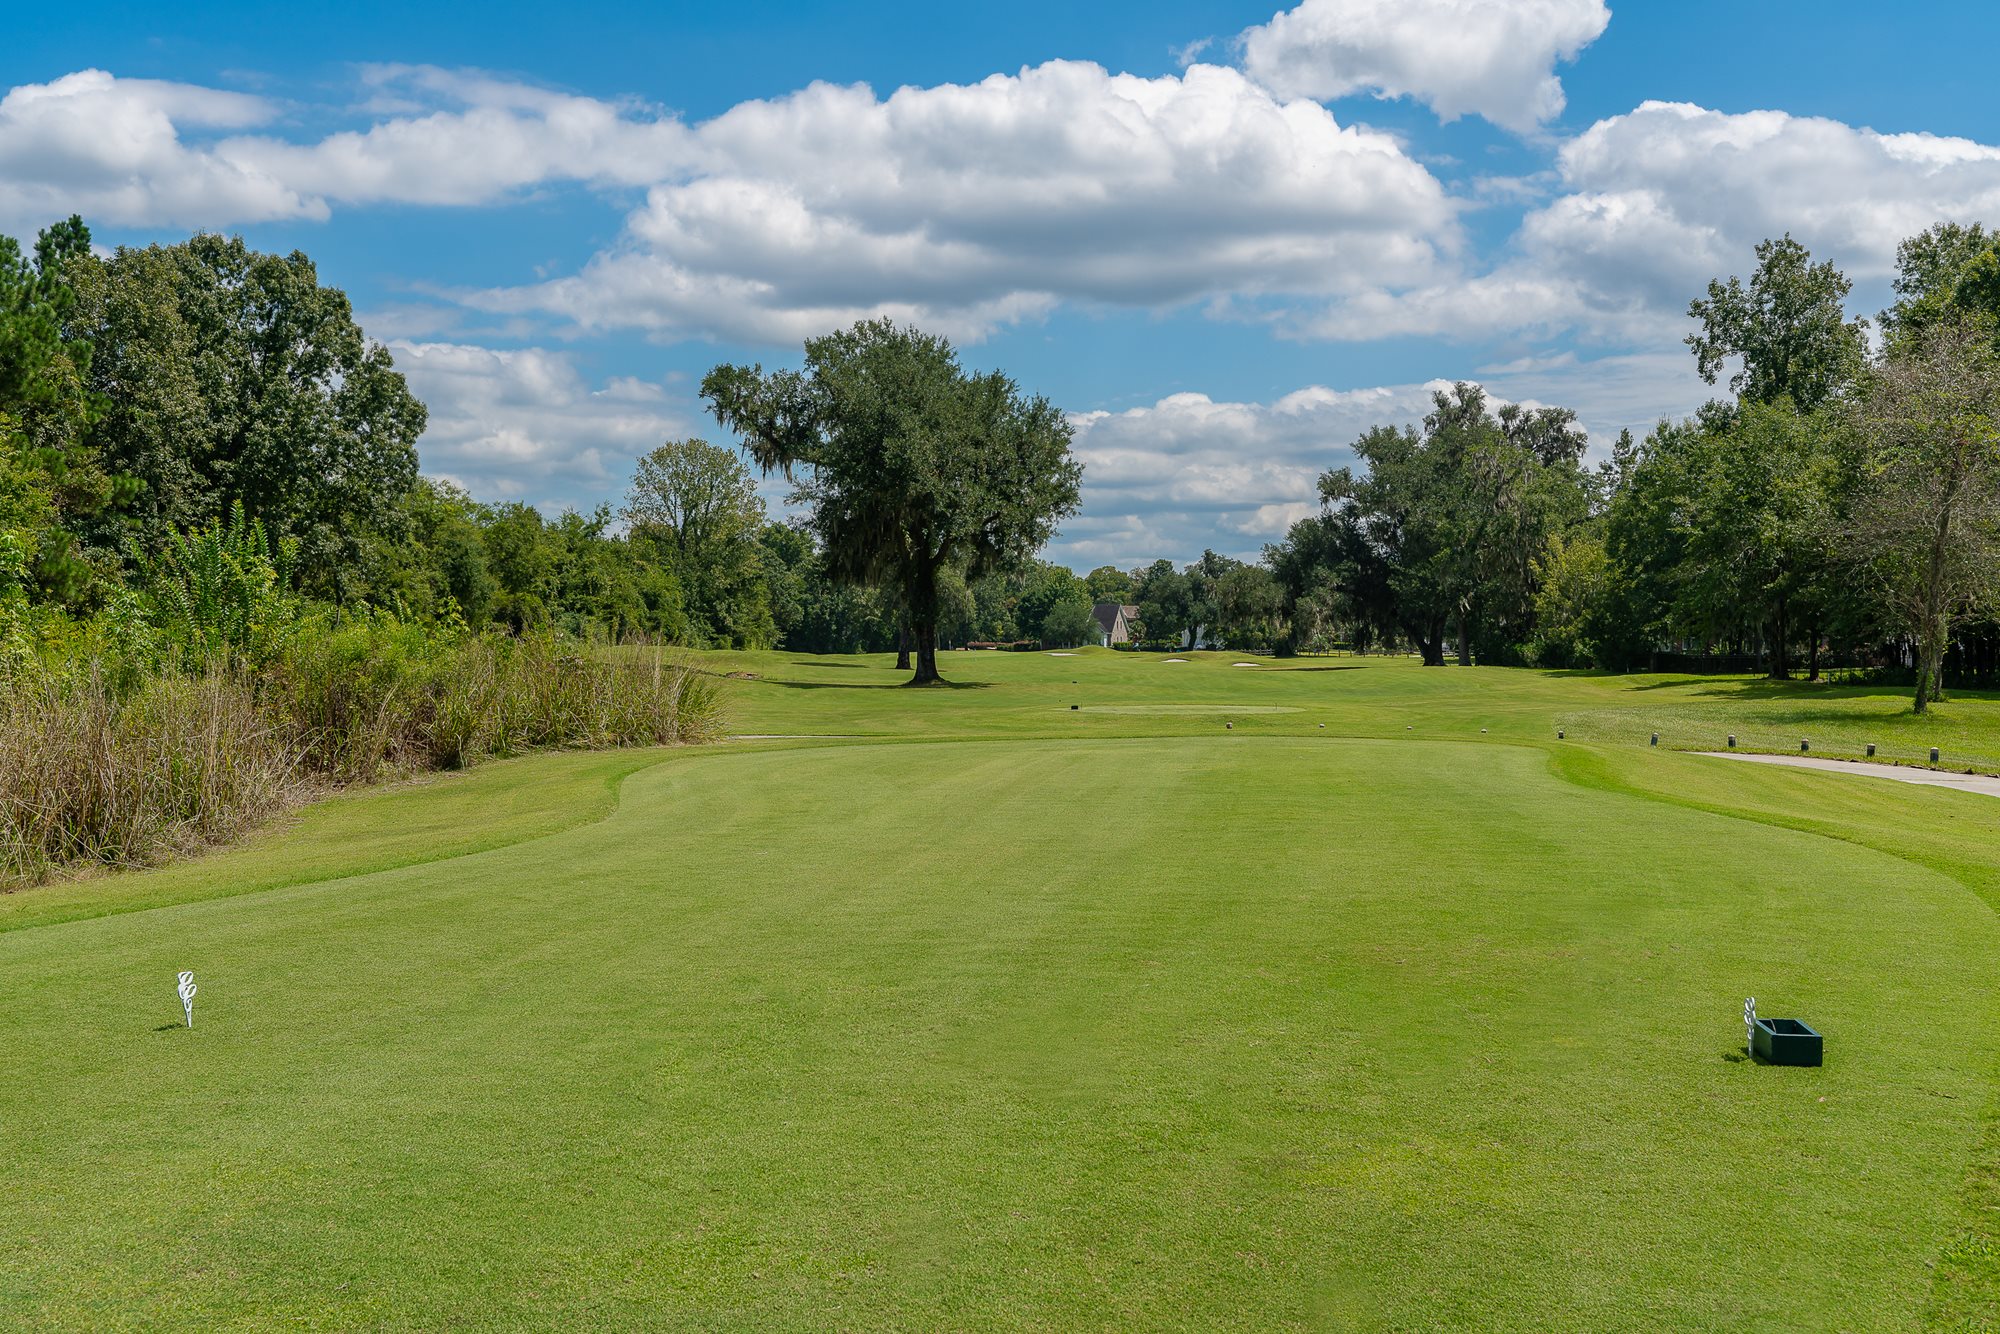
[1182, 1032]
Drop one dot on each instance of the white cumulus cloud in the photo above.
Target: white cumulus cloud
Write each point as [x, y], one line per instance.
[966, 206]
[114, 150]
[456, 138]
[1489, 58]
[525, 424]
[1652, 204]
[1188, 472]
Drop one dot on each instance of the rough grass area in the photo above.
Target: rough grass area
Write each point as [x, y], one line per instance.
[95, 775]
[1013, 1016]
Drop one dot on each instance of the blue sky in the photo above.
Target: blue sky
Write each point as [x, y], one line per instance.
[1225, 237]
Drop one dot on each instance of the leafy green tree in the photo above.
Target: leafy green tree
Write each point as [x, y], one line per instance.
[1166, 606]
[433, 558]
[45, 375]
[1574, 574]
[1945, 274]
[1925, 523]
[523, 560]
[1044, 588]
[46, 396]
[695, 507]
[786, 559]
[1759, 525]
[1392, 518]
[1247, 605]
[1789, 327]
[1069, 624]
[912, 470]
[599, 582]
[1108, 583]
[232, 376]
[1446, 524]
[27, 502]
[1203, 612]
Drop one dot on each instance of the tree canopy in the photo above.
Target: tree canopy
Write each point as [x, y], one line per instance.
[234, 376]
[912, 471]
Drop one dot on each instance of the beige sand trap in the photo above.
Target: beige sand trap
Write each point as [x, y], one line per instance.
[1246, 664]
[1173, 659]
[1900, 773]
[1062, 655]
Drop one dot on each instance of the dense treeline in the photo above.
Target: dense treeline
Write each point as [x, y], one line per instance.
[1844, 502]
[223, 583]
[144, 394]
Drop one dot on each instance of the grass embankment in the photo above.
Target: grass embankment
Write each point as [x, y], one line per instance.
[1113, 1018]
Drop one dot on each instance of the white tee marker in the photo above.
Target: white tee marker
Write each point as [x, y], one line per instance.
[1750, 1025]
[187, 990]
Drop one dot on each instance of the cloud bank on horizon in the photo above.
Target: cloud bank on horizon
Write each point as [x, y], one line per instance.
[1246, 193]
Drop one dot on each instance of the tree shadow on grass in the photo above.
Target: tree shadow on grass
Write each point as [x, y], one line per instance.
[1762, 687]
[845, 666]
[878, 685]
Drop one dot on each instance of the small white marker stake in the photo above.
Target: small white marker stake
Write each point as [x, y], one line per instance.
[1750, 1026]
[187, 990]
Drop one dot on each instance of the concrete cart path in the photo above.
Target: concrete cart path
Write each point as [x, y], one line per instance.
[1984, 783]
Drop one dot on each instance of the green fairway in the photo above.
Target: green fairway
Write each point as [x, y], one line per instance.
[1325, 994]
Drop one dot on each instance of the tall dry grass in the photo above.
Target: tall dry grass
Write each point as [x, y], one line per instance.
[92, 774]
[89, 777]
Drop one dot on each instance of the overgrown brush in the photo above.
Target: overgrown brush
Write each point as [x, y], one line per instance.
[110, 763]
[89, 777]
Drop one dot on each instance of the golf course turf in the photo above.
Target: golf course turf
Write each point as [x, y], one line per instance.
[967, 1009]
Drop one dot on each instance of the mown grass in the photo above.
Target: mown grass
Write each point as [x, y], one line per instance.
[1013, 1016]
[1120, 694]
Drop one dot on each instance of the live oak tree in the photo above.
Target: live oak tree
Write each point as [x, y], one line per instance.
[1925, 521]
[912, 470]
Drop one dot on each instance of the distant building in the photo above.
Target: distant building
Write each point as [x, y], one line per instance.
[1114, 622]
